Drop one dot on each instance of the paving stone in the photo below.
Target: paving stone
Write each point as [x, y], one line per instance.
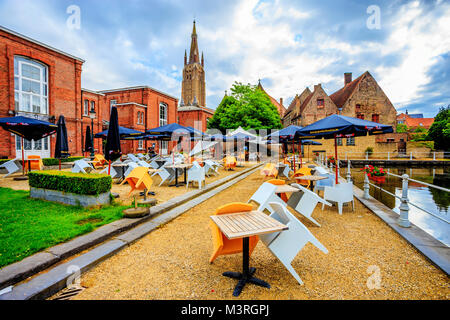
[48, 283]
[18, 271]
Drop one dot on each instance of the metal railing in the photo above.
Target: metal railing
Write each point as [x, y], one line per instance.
[410, 155]
[403, 220]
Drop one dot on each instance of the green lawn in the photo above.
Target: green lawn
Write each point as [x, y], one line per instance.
[30, 225]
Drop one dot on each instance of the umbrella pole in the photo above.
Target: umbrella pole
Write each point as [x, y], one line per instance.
[109, 167]
[335, 158]
[300, 153]
[23, 159]
[293, 153]
[59, 164]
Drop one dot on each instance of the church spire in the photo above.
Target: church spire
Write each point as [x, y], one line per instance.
[203, 60]
[193, 55]
[185, 57]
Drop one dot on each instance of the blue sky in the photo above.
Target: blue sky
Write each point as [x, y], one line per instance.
[289, 45]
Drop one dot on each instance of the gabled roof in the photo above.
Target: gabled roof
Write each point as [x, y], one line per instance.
[416, 122]
[341, 96]
[281, 109]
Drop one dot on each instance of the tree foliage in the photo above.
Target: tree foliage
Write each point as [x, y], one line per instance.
[439, 131]
[247, 107]
[401, 127]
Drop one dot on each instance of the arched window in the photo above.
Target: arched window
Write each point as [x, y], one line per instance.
[30, 85]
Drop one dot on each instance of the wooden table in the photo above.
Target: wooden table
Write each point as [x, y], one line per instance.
[310, 178]
[184, 166]
[244, 225]
[286, 188]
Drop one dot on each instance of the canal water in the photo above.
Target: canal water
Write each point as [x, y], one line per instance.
[431, 199]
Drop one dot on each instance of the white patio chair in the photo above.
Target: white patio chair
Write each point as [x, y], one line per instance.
[196, 173]
[264, 195]
[285, 245]
[140, 156]
[154, 164]
[211, 166]
[166, 174]
[252, 157]
[321, 170]
[132, 157]
[341, 193]
[286, 171]
[321, 184]
[81, 166]
[131, 166]
[113, 173]
[142, 163]
[305, 201]
[11, 167]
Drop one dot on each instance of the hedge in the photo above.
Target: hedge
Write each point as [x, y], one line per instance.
[55, 162]
[79, 183]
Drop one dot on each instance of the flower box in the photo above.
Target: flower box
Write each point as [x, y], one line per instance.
[378, 179]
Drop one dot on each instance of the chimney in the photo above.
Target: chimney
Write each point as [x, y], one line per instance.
[281, 101]
[317, 86]
[347, 78]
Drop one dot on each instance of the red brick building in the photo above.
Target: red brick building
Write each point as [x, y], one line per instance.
[42, 82]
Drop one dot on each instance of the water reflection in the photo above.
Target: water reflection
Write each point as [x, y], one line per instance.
[431, 199]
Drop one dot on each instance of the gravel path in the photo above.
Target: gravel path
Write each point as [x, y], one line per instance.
[172, 262]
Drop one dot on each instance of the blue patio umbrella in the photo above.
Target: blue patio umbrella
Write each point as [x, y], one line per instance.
[285, 133]
[338, 126]
[241, 136]
[170, 129]
[27, 128]
[123, 133]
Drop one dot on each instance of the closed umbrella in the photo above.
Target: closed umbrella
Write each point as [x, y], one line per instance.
[27, 128]
[338, 126]
[61, 146]
[112, 148]
[88, 147]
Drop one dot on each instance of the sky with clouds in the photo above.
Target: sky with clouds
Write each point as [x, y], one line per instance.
[289, 45]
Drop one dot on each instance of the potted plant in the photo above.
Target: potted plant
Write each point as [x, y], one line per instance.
[331, 159]
[375, 173]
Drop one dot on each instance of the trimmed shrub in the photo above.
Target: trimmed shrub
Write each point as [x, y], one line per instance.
[79, 183]
[55, 162]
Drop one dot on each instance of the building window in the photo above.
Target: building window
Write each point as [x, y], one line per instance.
[138, 117]
[92, 105]
[390, 140]
[339, 141]
[140, 144]
[360, 116]
[33, 145]
[351, 141]
[30, 86]
[86, 108]
[162, 114]
[375, 118]
[357, 108]
[320, 103]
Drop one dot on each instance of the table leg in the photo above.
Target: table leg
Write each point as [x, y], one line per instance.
[247, 272]
[176, 179]
[185, 175]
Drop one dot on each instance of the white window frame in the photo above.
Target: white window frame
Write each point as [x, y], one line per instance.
[92, 106]
[162, 114]
[20, 95]
[350, 141]
[140, 144]
[86, 107]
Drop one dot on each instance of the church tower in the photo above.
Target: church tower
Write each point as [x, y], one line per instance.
[193, 85]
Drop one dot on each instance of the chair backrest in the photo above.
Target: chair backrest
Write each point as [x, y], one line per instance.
[34, 157]
[142, 163]
[342, 192]
[277, 182]
[303, 171]
[131, 167]
[264, 195]
[234, 207]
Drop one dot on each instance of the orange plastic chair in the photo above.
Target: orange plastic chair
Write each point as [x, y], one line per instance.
[269, 170]
[35, 163]
[100, 161]
[279, 182]
[222, 245]
[303, 171]
[229, 162]
[139, 179]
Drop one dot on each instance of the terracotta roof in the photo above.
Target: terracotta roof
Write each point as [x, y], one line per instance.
[415, 122]
[341, 96]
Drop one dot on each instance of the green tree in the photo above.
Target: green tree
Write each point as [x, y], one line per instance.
[439, 131]
[247, 107]
[401, 127]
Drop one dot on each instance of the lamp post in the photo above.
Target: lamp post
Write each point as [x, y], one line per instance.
[92, 116]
